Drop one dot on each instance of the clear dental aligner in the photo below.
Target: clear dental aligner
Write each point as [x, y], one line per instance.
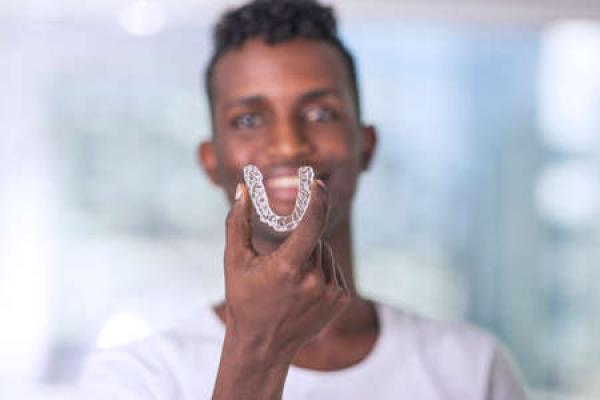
[258, 194]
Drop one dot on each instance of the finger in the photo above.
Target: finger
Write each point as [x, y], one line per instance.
[338, 288]
[314, 261]
[344, 293]
[330, 265]
[343, 300]
[314, 274]
[238, 230]
[326, 265]
[341, 281]
[338, 273]
[300, 243]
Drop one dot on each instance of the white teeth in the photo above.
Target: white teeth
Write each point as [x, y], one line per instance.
[258, 194]
[282, 182]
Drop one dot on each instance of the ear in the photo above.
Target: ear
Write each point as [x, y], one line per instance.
[369, 143]
[205, 154]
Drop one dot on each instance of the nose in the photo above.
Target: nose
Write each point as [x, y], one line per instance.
[289, 143]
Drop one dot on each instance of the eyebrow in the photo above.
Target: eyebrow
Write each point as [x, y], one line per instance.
[245, 101]
[311, 95]
[318, 93]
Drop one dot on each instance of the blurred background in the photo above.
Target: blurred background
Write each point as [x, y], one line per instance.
[482, 204]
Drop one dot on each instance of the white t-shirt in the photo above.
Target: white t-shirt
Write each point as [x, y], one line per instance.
[413, 358]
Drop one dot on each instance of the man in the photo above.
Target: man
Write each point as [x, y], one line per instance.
[283, 93]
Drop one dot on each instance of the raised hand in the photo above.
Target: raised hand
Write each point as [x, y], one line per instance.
[277, 302]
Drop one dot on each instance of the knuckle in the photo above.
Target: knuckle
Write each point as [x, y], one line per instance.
[312, 284]
[341, 295]
[332, 293]
[287, 272]
[342, 303]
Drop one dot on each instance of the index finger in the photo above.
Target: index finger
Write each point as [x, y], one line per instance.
[238, 230]
[302, 241]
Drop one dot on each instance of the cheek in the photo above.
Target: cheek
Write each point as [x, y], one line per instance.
[339, 149]
[233, 158]
[342, 160]
[236, 154]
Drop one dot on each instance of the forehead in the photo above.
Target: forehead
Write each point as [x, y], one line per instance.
[281, 70]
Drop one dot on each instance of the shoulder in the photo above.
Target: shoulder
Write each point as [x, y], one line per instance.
[135, 370]
[149, 368]
[429, 335]
[458, 351]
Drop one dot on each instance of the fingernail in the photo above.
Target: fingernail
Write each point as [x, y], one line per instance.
[321, 183]
[238, 191]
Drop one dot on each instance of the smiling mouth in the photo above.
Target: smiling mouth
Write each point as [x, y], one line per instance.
[257, 188]
[285, 187]
[288, 181]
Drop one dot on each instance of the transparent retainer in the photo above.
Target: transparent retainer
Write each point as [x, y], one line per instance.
[258, 194]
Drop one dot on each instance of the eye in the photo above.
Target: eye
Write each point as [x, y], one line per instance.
[247, 121]
[320, 114]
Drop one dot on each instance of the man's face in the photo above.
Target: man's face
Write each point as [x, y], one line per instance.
[280, 107]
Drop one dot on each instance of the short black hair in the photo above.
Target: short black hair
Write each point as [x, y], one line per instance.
[277, 21]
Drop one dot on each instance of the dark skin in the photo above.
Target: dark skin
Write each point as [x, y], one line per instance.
[290, 298]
